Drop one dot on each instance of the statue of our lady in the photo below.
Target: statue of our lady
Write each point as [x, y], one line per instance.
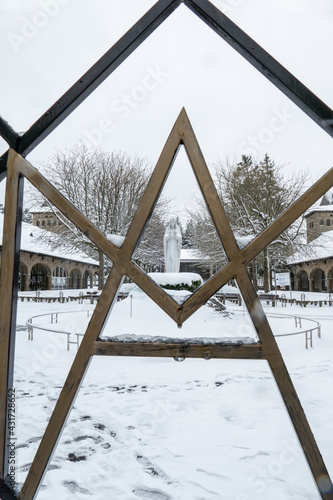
[172, 246]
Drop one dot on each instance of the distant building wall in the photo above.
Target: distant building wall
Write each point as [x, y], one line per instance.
[312, 276]
[46, 220]
[318, 223]
[44, 272]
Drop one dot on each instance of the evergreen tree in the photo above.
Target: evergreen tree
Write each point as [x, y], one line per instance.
[189, 234]
[254, 194]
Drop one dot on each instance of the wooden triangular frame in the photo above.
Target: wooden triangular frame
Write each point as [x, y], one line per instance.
[23, 144]
[181, 134]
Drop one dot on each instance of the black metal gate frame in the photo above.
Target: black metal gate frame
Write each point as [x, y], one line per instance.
[23, 144]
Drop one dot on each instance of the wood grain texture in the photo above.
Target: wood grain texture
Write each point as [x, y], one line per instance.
[181, 349]
[8, 301]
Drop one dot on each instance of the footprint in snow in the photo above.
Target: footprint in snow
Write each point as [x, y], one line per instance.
[151, 494]
[75, 488]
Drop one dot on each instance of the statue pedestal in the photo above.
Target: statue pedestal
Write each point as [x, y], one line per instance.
[174, 279]
[179, 285]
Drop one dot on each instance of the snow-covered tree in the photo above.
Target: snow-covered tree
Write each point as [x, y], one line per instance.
[253, 194]
[204, 237]
[189, 234]
[106, 187]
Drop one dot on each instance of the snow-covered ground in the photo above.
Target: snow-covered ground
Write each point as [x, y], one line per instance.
[144, 428]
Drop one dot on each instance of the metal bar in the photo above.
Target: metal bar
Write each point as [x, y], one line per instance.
[65, 206]
[157, 294]
[8, 133]
[136, 228]
[306, 100]
[301, 426]
[204, 293]
[207, 187]
[288, 217]
[181, 349]
[122, 264]
[256, 246]
[3, 166]
[256, 312]
[239, 40]
[71, 387]
[184, 134]
[285, 385]
[10, 265]
[5, 492]
[94, 76]
[154, 187]
[299, 94]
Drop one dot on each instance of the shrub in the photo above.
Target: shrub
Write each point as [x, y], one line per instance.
[183, 286]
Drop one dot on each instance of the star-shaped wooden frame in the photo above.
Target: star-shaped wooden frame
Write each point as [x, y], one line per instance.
[182, 134]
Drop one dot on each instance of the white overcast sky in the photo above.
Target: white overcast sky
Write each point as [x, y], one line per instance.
[46, 45]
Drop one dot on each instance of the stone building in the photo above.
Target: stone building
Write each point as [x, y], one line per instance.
[319, 219]
[192, 262]
[311, 269]
[44, 267]
[45, 218]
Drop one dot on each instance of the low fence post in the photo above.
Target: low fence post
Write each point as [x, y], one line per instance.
[298, 321]
[30, 330]
[308, 338]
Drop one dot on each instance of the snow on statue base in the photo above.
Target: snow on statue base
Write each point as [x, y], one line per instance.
[176, 279]
[179, 285]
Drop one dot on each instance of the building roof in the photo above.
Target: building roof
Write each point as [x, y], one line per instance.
[327, 199]
[319, 208]
[40, 210]
[43, 209]
[324, 205]
[318, 249]
[36, 240]
[190, 255]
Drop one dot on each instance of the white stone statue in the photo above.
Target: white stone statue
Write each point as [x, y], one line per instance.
[172, 246]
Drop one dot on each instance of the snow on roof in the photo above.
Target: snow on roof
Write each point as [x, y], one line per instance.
[43, 209]
[319, 208]
[320, 248]
[35, 240]
[323, 205]
[191, 254]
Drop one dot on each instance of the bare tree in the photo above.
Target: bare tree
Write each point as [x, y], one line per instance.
[204, 237]
[107, 188]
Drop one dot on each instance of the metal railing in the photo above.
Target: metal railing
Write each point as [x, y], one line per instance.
[54, 319]
[298, 322]
[54, 316]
